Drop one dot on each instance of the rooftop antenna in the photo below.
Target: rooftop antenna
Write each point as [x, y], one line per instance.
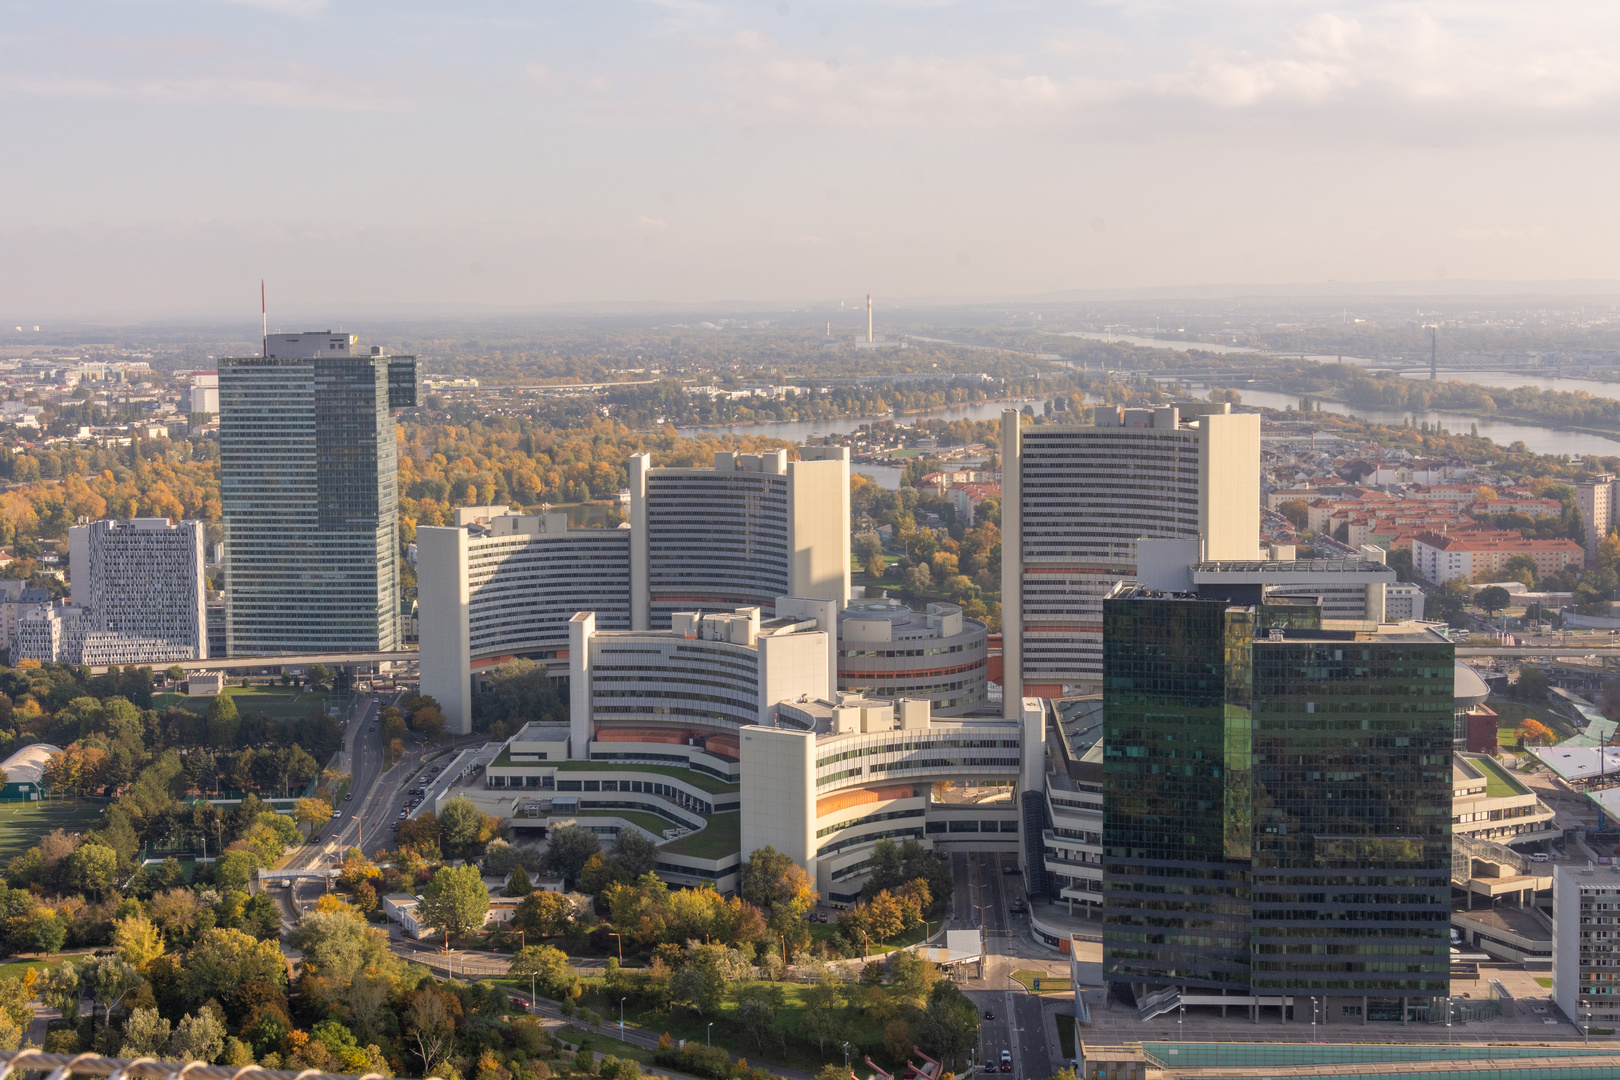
[264, 324]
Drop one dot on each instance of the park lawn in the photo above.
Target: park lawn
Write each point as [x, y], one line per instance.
[1544, 982]
[1510, 714]
[722, 836]
[829, 932]
[1065, 1026]
[22, 824]
[682, 1023]
[282, 702]
[604, 1043]
[1049, 984]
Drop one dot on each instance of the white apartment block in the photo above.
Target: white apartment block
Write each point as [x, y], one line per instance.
[1586, 945]
[140, 587]
[50, 633]
[205, 392]
[1076, 499]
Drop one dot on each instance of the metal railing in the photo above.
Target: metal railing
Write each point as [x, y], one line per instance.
[61, 1066]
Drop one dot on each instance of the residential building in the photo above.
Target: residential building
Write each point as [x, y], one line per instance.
[309, 484]
[1076, 501]
[140, 584]
[1438, 559]
[1586, 945]
[750, 529]
[1596, 501]
[52, 633]
[205, 392]
[498, 585]
[1239, 829]
[885, 649]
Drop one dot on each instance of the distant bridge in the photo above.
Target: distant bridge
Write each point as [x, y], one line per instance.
[1557, 652]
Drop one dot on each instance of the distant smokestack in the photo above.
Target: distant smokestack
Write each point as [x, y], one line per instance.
[868, 318]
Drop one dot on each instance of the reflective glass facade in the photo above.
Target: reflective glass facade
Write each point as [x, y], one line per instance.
[1277, 800]
[310, 495]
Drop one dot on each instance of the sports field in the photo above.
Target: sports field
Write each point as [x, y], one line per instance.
[22, 824]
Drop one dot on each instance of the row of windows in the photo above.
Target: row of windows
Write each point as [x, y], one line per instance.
[912, 747]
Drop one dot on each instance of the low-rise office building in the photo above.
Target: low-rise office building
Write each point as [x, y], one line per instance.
[885, 649]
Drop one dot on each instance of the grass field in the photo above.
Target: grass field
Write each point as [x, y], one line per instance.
[1050, 984]
[1510, 714]
[22, 824]
[282, 702]
[1065, 1026]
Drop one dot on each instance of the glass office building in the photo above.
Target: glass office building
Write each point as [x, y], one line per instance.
[309, 486]
[1277, 800]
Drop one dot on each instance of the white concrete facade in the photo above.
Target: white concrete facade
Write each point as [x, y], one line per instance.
[1076, 499]
[141, 587]
[498, 584]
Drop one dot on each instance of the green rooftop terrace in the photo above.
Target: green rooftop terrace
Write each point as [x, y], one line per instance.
[1498, 784]
[704, 781]
[722, 837]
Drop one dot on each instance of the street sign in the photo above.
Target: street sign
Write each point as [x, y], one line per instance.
[1037, 982]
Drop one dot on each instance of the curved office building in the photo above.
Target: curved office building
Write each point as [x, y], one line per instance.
[887, 650]
[500, 585]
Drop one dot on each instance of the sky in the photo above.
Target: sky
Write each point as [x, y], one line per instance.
[162, 156]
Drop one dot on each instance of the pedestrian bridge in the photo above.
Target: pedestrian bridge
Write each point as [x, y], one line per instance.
[298, 875]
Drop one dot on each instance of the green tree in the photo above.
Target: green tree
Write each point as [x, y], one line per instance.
[110, 979]
[552, 973]
[519, 884]
[61, 989]
[459, 823]
[318, 675]
[949, 1027]
[92, 868]
[223, 722]
[455, 901]
[223, 960]
[146, 1033]
[568, 849]
[1532, 684]
[198, 1038]
[635, 854]
[1493, 599]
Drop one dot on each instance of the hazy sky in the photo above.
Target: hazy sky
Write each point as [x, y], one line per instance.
[163, 155]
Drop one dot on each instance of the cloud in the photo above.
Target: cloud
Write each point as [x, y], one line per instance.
[656, 224]
[1387, 73]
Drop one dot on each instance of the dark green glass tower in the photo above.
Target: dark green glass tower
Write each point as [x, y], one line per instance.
[1277, 800]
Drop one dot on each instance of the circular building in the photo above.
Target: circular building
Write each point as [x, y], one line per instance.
[887, 650]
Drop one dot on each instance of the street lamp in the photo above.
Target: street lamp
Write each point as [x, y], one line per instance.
[708, 1036]
[846, 1055]
[1313, 1019]
[621, 1018]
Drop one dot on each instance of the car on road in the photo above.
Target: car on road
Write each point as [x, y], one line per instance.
[1018, 904]
[989, 1015]
[1009, 870]
[1006, 1061]
[989, 1066]
[349, 796]
[336, 814]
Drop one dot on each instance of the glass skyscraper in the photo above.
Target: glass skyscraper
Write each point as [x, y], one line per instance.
[1277, 801]
[309, 484]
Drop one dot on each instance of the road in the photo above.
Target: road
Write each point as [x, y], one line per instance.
[985, 891]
